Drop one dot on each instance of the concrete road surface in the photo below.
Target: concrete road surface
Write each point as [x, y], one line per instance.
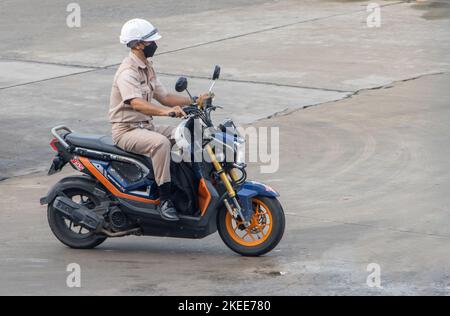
[363, 115]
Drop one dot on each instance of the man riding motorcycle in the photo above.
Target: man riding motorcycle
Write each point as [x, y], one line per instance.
[132, 107]
[118, 195]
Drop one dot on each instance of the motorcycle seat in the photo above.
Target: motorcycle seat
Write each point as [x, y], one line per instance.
[105, 144]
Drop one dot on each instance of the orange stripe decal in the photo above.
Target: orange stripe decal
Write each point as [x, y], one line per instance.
[100, 177]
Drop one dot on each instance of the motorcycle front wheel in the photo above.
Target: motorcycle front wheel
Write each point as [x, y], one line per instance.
[264, 233]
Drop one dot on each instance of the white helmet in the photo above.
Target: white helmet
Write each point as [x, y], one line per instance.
[138, 30]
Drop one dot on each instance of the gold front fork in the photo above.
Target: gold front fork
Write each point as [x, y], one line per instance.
[236, 210]
[222, 174]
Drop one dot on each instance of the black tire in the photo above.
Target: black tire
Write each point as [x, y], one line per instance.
[63, 231]
[270, 242]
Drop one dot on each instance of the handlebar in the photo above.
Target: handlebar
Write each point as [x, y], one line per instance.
[193, 110]
[188, 109]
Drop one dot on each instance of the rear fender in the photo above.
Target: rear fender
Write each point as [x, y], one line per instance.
[78, 182]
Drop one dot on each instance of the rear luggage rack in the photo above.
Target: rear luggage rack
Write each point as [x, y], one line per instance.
[61, 140]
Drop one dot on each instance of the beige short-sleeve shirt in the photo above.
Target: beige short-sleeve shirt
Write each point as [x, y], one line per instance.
[133, 79]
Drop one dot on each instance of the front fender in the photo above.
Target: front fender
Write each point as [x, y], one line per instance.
[78, 182]
[260, 188]
[249, 190]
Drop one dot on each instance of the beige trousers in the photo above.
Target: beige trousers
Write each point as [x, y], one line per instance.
[147, 139]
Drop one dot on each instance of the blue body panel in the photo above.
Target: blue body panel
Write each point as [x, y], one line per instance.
[124, 185]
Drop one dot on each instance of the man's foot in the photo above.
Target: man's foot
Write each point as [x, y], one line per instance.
[167, 211]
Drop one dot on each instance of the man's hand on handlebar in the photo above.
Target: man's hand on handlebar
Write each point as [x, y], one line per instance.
[176, 111]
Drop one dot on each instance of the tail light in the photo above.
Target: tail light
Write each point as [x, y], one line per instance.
[53, 144]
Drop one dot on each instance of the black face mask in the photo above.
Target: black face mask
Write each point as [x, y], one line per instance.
[150, 50]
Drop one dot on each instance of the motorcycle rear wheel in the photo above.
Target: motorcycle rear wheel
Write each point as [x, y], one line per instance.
[264, 233]
[69, 234]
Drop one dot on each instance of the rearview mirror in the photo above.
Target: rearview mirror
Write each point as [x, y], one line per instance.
[181, 84]
[216, 73]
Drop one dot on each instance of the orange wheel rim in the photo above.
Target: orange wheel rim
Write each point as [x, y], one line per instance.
[259, 230]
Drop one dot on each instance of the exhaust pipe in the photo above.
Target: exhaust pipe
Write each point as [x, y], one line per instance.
[86, 218]
[78, 214]
[134, 231]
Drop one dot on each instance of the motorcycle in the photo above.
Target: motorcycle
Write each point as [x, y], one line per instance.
[116, 194]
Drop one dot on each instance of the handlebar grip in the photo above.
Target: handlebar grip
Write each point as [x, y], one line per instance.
[173, 114]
